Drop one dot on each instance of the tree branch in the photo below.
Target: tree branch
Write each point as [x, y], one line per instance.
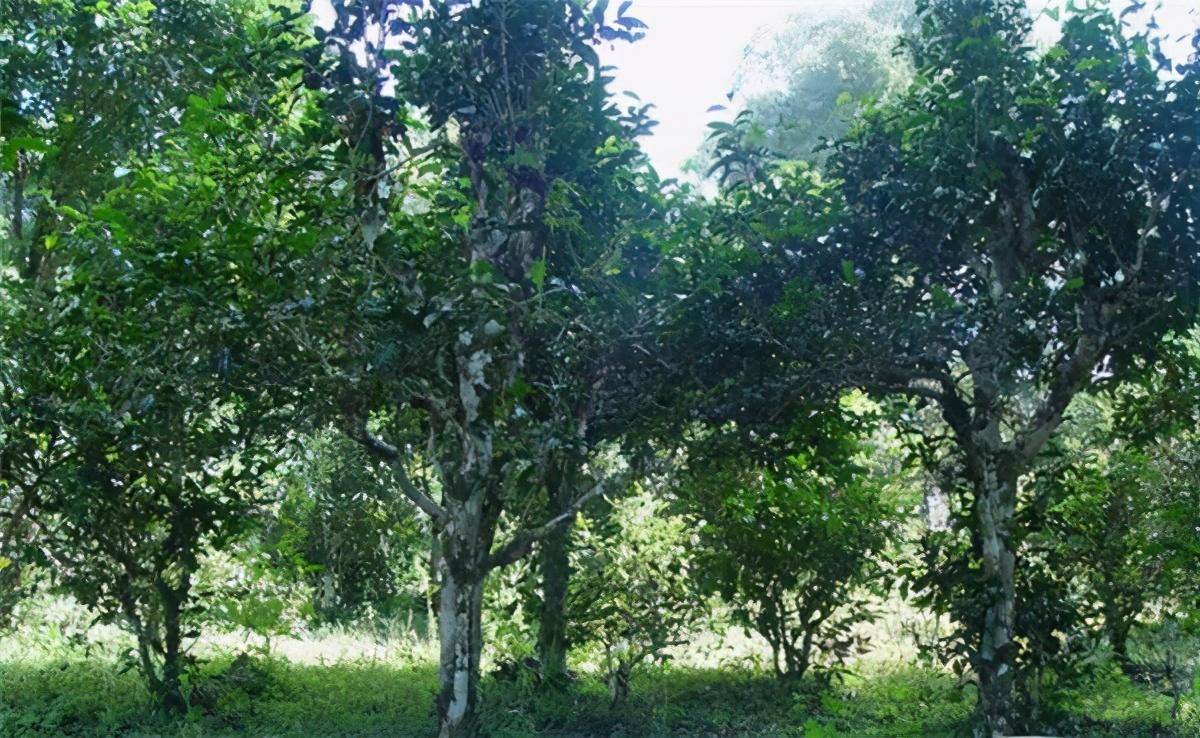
[1071, 377]
[519, 547]
[386, 452]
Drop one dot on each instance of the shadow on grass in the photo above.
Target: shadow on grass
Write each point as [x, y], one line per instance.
[672, 701]
[244, 696]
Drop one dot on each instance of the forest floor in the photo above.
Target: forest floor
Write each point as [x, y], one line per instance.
[55, 683]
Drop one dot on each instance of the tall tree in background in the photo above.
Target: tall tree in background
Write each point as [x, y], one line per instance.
[804, 85]
[801, 85]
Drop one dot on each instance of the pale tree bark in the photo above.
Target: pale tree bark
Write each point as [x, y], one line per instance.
[462, 569]
[995, 503]
[460, 636]
[465, 525]
[466, 557]
[469, 504]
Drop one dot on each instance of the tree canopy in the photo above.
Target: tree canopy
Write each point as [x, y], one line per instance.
[408, 258]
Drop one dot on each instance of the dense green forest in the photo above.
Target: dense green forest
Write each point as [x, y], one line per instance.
[360, 375]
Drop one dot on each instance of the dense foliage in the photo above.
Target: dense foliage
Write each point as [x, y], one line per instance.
[795, 550]
[316, 317]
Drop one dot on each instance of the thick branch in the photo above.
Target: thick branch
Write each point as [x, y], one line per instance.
[519, 547]
[386, 452]
[898, 380]
[1071, 377]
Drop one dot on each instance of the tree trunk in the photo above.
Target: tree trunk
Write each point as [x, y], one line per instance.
[145, 641]
[618, 683]
[800, 668]
[173, 598]
[35, 251]
[172, 698]
[1118, 634]
[433, 595]
[552, 625]
[556, 574]
[464, 549]
[459, 613]
[995, 502]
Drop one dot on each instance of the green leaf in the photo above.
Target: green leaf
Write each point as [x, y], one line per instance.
[29, 143]
[482, 272]
[9, 149]
[537, 273]
[848, 270]
[845, 98]
[519, 388]
[942, 297]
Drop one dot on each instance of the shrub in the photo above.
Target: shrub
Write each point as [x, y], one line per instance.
[793, 549]
[632, 594]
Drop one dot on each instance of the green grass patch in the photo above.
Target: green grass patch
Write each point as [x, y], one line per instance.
[230, 697]
[74, 695]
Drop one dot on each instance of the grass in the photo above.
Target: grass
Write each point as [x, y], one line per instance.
[344, 684]
[256, 696]
[230, 697]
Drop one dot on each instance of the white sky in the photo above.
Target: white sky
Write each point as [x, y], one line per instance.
[687, 61]
[691, 52]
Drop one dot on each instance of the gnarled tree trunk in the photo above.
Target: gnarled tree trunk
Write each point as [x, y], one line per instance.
[995, 503]
[462, 568]
[552, 617]
[1117, 625]
[460, 633]
[173, 701]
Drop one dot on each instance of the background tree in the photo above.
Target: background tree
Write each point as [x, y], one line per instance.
[796, 547]
[804, 83]
[633, 594]
[341, 534]
[156, 390]
[1166, 651]
[1124, 519]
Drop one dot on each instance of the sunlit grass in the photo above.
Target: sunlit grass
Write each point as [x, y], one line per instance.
[61, 678]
